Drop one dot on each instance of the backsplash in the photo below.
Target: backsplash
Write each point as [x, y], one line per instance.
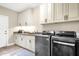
[68, 26]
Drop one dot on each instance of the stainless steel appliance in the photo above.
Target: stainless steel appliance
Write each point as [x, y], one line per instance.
[42, 47]
[58, 43]
[43, 44]
[63, 43]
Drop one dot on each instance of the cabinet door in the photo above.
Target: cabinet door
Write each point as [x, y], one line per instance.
[43, 13]
[15, 39]
[25, 18]
[29, 43]
[65, 11]
[18, 40]
[73, 11]
[58, 9]
[23, 41]
[21, 19]
[50, 13]
[32, 46]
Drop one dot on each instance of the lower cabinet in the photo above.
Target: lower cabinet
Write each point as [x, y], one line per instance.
[29, 42]
[25, 41]
[18, 39]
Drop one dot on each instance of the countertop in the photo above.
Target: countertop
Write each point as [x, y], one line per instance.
[32, 34]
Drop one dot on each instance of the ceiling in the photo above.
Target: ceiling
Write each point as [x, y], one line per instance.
[18, 7]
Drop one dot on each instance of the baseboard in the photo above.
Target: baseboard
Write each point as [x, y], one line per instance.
[25, 48]
[10, 44]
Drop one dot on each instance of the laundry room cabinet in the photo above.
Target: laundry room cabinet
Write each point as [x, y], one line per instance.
[25, 41]
[45, 13]
[73, 11]
[64, 12]
[59, 12]
[25, 18]
[29, 42]
[19, 40]
[51, 12]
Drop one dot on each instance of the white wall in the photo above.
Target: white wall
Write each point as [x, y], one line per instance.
[12, 20]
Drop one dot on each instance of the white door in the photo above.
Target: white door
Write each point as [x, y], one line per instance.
[3, 30]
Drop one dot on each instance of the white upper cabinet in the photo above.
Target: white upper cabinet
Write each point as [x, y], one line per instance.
[20, 21]
[73, 11]
[50, 13]
[25, 18]
[65, 12]
[58, 12]
[43, 13]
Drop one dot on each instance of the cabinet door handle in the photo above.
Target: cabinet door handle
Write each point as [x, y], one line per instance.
[66, 17]
[45, 20]
[5, 33]
[21, 38]
[29, 41]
